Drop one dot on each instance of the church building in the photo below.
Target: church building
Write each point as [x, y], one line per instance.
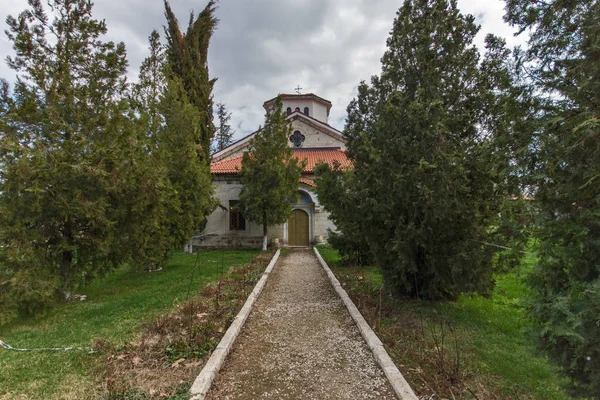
[313, 140]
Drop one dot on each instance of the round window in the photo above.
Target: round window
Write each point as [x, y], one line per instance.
[297, 139]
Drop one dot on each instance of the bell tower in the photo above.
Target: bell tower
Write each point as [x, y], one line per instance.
[309, 104]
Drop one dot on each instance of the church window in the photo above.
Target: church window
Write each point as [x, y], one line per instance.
[297, 139]
[236, 219]
[289, 110]
[305, 110]
[297, 109]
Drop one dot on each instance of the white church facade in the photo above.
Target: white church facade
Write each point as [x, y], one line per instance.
[313, 140]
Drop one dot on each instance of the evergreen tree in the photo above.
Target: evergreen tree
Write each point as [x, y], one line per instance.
[143, 200]
[336, 189]
[150, 201]
[149, 89]
[563, 63]
[170, 126]
[70, 162]
[224, 134]
[188, 173]
[509, 117]
[425, 179]
[187, 56]
[270, 173]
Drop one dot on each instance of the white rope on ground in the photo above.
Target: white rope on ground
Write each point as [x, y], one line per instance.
[90, 350]
[6, 346]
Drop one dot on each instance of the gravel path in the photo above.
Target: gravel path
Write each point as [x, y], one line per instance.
[299, 342]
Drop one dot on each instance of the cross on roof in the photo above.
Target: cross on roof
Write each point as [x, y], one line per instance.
[298, 89]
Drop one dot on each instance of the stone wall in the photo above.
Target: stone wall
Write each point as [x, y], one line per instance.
[314, 137]
[218, 234]
[232, 240]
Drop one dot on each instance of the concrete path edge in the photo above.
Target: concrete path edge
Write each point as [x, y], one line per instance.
[401, 387]
[204, 380]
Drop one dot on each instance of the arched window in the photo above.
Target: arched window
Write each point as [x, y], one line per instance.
[297, 109]
[289, 110]
[305, 110]
[237, 222]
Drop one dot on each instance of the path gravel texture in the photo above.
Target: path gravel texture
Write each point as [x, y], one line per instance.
[299, 342]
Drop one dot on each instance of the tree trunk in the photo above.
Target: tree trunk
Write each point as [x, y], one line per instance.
[264, 237]
[66, 264]
[67, 274]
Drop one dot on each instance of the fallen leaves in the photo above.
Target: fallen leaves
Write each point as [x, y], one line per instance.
[177, 363]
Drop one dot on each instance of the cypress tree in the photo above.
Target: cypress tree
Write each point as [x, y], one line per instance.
[563, 63]
[425, 178]
[182, 157]
[149, 89]
[270, 173]
[151, 241]
[187, 57]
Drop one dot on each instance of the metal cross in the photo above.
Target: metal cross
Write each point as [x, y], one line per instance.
[298, 89]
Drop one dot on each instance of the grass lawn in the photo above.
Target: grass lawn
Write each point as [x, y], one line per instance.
[115, 308]
[497, 351]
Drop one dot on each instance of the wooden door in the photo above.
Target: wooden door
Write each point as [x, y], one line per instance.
[298, 228]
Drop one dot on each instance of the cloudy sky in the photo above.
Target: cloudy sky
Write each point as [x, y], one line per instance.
[265, 47]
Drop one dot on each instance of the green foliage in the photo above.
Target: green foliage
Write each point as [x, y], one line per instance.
[563, 60]
[334, 189]
[270, 173]
[187, 170]
[170, 126]
[74, 171]
[494, 353]
[224, 134]
[93, 175]
[117, 306]
[147, 92]
[512, 230]
[26, 291]
[428, 167]
[187, 57]
[186, 108]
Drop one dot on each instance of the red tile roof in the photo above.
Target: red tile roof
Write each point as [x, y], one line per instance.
[312, 157]
[307, 182]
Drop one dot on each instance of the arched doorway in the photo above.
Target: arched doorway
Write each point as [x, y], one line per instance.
[298, 228]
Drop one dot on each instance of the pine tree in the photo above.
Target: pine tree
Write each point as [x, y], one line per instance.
[270, 173]
[563, 63]
[187, 56]
[424, 175]
[70, 162]
[224, 134]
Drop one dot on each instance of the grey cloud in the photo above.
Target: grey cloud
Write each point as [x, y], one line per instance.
[265, 47]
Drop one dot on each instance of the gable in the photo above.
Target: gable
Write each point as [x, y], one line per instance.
[316, 135]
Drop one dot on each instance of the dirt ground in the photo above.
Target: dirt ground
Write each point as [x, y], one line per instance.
[299, 342]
